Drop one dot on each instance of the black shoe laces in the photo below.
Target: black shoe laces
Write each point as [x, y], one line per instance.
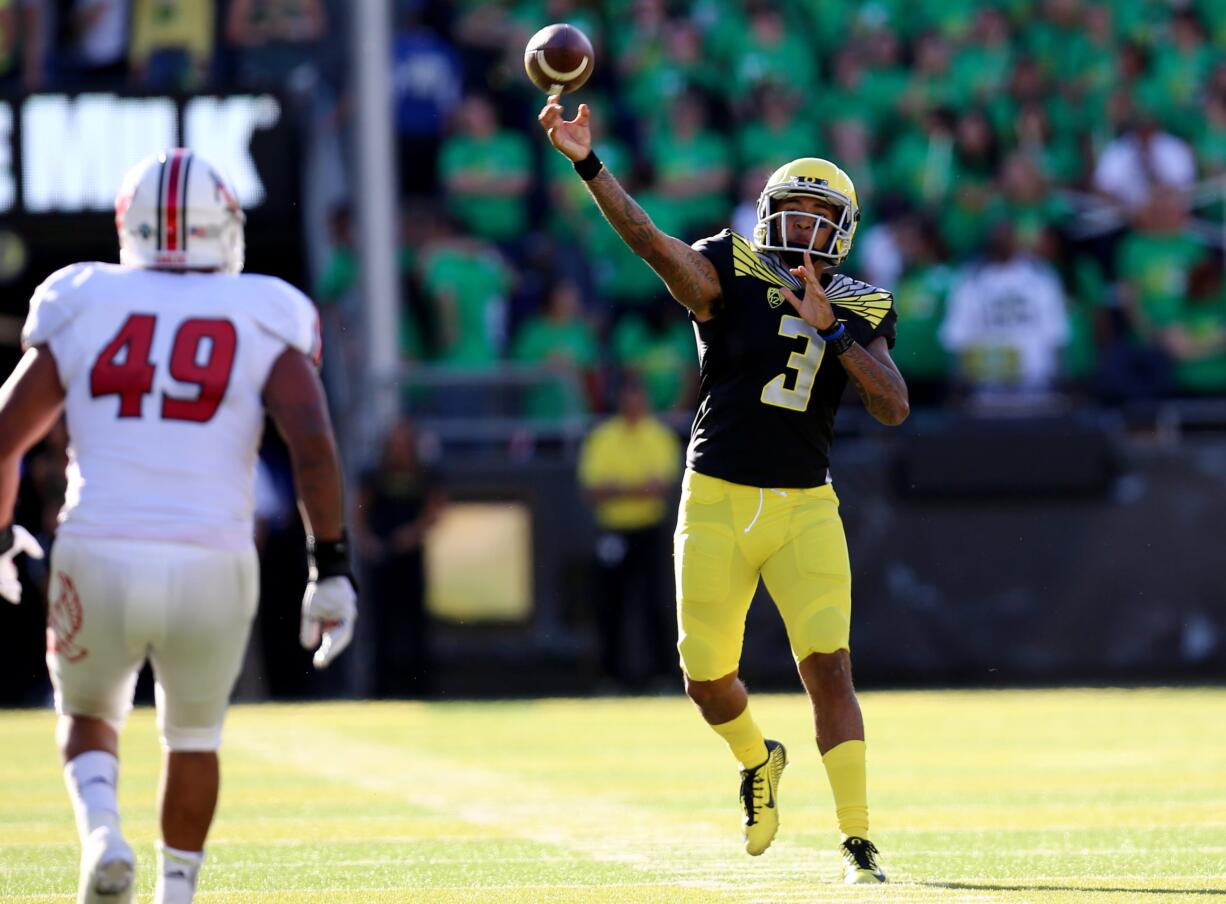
[751, 790]
[862, 851]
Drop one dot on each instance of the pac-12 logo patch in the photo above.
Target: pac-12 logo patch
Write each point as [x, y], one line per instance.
[64, 618]
[774, 296]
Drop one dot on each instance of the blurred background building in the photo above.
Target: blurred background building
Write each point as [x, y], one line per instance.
[1043, 186]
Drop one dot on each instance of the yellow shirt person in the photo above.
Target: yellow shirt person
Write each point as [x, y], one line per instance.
[628, 467]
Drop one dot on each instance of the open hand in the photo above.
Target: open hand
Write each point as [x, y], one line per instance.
[814, 308]
[329, 610]
[572, 137]
[23, 542]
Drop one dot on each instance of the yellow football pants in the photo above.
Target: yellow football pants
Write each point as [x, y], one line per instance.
[727, 536]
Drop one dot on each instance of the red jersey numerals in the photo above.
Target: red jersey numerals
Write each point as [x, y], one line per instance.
[212, 374]
[202, 353]
[132, 377]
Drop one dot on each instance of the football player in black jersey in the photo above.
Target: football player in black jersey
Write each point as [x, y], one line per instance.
[779, 335]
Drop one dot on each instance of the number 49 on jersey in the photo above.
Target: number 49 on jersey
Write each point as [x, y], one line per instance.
[202, 354]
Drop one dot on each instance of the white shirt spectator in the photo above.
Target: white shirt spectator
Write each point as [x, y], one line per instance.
[103, 31]
[1130, 167]
[1007, 323]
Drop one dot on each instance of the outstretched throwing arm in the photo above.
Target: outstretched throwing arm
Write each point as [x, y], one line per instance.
[690, 277]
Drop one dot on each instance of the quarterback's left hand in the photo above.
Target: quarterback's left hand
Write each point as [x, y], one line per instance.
[22, 541]
[814, 309]
[329, 610]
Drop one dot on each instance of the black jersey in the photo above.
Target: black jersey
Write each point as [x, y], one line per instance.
[768, 392]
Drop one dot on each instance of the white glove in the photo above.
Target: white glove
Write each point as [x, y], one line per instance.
[329, 610]
[23, 541]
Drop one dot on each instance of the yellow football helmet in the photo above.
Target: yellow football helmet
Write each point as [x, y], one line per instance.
[818, 178]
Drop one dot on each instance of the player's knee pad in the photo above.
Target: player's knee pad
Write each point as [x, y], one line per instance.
[819, 629]
[190, 724]
[179, 739]
[705, 658]
[115, 716]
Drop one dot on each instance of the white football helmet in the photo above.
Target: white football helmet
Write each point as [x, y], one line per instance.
[174, 211]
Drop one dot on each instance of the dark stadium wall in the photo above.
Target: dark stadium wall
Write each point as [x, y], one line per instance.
[1096, 562]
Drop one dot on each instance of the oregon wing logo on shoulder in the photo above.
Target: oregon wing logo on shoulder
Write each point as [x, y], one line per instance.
[64, 618]
[774, 296]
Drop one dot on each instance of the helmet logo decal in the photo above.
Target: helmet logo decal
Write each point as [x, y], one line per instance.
[173, 214]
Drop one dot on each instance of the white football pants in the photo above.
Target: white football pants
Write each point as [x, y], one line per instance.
[188, 609]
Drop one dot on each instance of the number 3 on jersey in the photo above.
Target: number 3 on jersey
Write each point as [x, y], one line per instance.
[124, 369]
[805, 364]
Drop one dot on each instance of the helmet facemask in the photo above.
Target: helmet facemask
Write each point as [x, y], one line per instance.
[771, 231]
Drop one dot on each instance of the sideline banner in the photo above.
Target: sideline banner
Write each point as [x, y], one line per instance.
[62, 157]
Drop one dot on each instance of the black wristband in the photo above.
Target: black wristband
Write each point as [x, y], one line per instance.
[832, 332]
[841, 343]
[329, 558]
[6, 539]
[589, 167]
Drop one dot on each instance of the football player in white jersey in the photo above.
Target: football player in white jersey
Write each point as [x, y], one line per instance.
[164, 366]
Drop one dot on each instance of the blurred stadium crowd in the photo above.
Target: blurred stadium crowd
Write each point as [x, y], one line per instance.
[1042, 183]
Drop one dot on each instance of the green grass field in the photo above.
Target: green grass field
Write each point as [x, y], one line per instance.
[1036, 796]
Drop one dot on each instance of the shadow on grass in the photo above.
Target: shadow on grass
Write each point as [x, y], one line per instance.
[980, 886]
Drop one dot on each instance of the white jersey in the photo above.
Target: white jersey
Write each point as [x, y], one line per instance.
[163, 375]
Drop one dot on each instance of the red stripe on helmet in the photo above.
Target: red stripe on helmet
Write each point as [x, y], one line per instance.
[174, 209]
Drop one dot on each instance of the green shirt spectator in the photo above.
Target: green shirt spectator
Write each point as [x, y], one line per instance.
[573, 213]
[1056, 40]
[655, 79]
[780, 133]
[1156, 260]
[563, 341]
[1210, 140]
[1201, 366]
[930, 83]
[1025, 201]
[486, 171]
[622, 277]
[1179, 70]
[770, 52]
[662, 355]
[1213, 14]
[982, 65]
[920, 298]
[693, 167]
[856, 94]
[468, 282]
[920, 165]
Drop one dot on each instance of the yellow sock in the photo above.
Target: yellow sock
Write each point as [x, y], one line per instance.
[745, 739]
[845, 769]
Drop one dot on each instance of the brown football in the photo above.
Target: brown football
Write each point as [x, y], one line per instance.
[559, 58]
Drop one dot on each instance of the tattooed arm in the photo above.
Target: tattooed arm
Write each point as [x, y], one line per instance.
[690, 277]
[876, 378]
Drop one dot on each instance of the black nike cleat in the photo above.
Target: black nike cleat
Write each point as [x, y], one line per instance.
[860, 865]
[760, 798]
